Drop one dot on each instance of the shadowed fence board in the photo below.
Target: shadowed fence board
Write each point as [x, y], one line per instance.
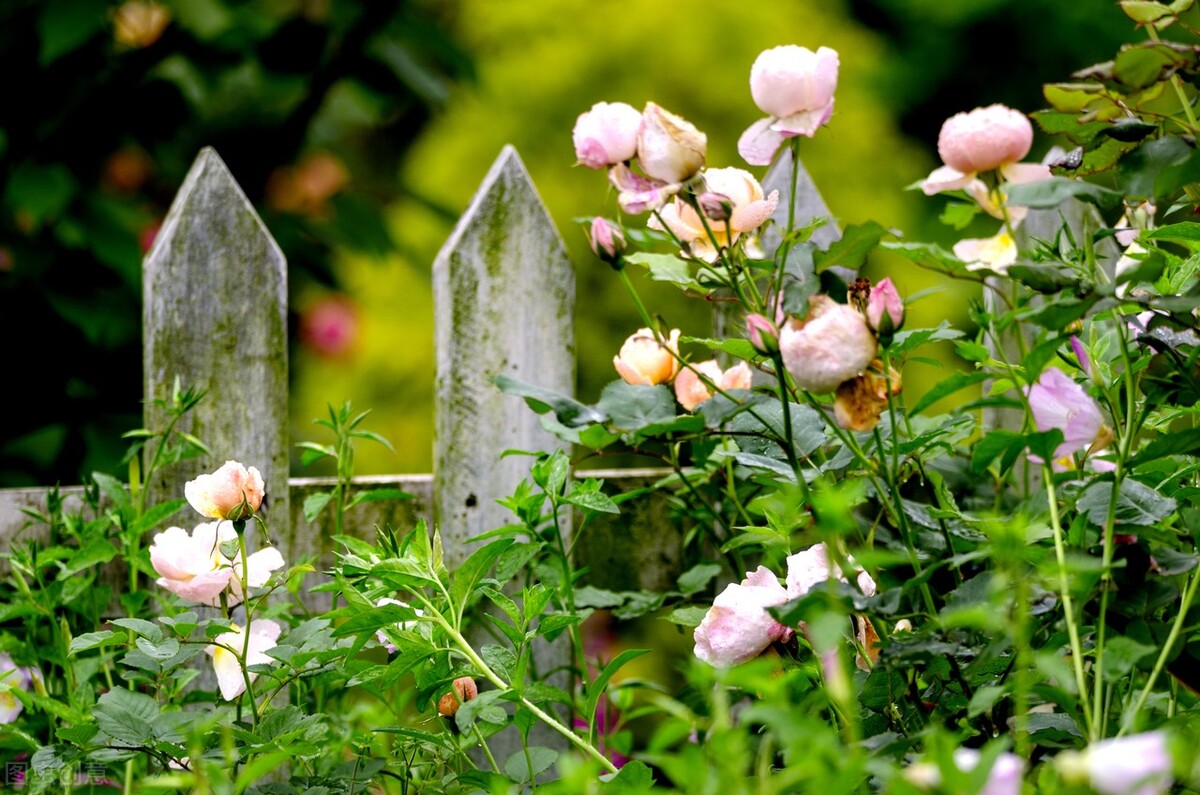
[215, 316]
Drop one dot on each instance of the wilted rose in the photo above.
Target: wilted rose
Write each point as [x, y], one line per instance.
[738, 627]
[691, 390]
[749, 209]
[227, 652]
[861, 400]
[606, 134]
[794, 86]
[232, 492]
[643, 360]
[669, 148]
[831, 345]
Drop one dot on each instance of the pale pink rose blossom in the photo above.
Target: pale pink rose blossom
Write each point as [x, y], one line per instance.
[606, 134]
[1139, 764]
[738, 627]
[883, 301]
[194, 567]
[995, 137]
[669, 148]
[691, 390]
[232, 492]
[794, 86]
[1056, 401]
[831, 345]
[227, 652]
[643, 360]
[750, 209]
[1004, 777]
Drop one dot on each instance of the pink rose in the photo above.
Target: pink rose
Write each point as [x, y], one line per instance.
[1056, 401]
[669, 148]
[810, 567]
[985, 139]
[607, 134]
[831, 345]
[882, 302]
[691, 390]
[794, 86]
[233, 492]
[643, 360]
[194, 567]
[762, 333]
[606, 239]
[749, 210]
[738, 627]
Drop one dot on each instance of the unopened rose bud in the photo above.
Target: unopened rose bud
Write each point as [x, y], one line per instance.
[885, 309]
[715, 206]
[669, 148]
[607, 241]
[464, 690]
[762, 333]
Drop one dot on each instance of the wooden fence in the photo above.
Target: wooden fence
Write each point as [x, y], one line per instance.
[215, 316]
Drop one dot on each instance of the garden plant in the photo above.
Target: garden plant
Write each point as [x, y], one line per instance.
[998, 598]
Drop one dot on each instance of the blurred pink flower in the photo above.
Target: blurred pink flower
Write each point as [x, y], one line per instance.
[1139, 764]
[18, 679]
[329, 326]
[1056, 401]
[794, 86]
[738, 627]
[810, 567]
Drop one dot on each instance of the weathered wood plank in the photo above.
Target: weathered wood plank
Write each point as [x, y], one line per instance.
[504, 293]
[215, 316]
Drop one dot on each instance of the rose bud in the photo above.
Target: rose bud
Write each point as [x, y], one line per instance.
[607, 240]
[762, 333]
[669, 148]
[464, 691]
[831, 345]
[607, 134]
[885, 309]
[233, 492]
[644, 361]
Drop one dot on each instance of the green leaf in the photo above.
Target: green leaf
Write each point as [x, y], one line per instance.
[1137, 503]
[127, 717]
[689, 616]
[522, 770]
[97, 551]
[668, 268]
[631, 407]
[113, 489]
[1043, 278]
[851, 250]
[1181, 442]
[92, 640]
[569, 411]
[1050, 193]
[633, 777]
[474, 568]
[598, 685]
[1121, 655]
[65, 25]
[946, 387]
[734, 346]
[592, 500]
[1140, 65]
[994, 444]
[759, 430]
[315, 503]
[142, 627]
[697, 578]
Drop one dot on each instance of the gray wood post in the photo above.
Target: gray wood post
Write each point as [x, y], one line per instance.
[215, 316]
[504, 293]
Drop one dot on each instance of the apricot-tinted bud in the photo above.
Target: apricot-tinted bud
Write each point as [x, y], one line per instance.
[464, 691]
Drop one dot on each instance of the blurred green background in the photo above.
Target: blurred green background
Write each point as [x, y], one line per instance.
[361, 129]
